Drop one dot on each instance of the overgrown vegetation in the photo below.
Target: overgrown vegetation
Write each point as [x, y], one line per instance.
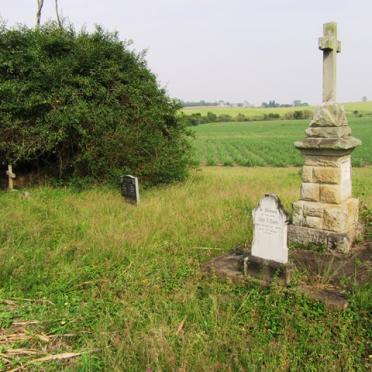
[127, 283]
[78, 104]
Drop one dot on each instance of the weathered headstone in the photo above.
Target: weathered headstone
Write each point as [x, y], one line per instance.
[130, 189]
[270, 230]
[269, 254]
[326, 213]
[11, 177]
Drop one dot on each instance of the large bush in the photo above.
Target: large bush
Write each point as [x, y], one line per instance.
[78, 104]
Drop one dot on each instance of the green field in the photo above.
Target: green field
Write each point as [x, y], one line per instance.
[85, 272]
[267, 143]
[364, 108]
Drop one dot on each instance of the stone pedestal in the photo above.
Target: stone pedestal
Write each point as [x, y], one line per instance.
[326, 212]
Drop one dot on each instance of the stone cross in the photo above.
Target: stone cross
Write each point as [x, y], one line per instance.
[330, 47]
[11, 176]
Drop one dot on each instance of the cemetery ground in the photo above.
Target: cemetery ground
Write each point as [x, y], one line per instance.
[84, 272]
[253, 143]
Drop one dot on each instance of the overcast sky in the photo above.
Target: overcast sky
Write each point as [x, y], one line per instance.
[235, 50]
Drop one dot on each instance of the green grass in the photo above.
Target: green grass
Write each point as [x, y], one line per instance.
[127, 281]
[364, 108]
[267, 143]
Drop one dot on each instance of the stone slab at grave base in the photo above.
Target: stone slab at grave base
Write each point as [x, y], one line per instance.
[266, 270]
[324, 276]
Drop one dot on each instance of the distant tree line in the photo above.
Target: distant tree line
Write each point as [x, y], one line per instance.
[221, 103]
[198, 103]
[210, 117]
[273, 103]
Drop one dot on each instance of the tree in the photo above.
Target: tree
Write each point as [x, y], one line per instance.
[298, 115]
[78, 104]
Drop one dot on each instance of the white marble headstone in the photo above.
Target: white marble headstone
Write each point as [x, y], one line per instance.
[270, 230]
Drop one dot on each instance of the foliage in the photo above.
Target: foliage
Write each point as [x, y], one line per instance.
[127, 282]
[78, 104]
[267, 143]
[298, 115]
[197, 118]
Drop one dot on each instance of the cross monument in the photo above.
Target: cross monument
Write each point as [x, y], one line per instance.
[326, 213]
[11, 176]
[330, 47]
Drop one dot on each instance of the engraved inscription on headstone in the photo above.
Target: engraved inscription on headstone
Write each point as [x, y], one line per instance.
[130, 188]
[270, 230]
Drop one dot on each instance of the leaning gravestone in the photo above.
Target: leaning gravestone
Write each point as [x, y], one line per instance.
[130, 189]
[269, 254]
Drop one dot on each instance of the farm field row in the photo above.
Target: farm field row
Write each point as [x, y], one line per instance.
[266, 143]
[362, 107]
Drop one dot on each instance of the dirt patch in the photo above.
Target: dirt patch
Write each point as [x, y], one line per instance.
[334, 269]
[323, 276]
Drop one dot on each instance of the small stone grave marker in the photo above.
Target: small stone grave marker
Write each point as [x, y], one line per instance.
[269, 254]
[11, 177]
[130, 189]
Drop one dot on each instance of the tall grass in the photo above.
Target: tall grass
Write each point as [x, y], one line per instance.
[128, 281]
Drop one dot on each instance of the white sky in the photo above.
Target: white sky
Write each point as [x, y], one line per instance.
[235, 50]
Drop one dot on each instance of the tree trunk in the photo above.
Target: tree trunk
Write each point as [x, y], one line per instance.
[58, 16]
[40, 4]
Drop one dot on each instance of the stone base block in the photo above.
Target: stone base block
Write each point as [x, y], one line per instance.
[317, 160]
[340, 242]
[339, 218]
[266, 270]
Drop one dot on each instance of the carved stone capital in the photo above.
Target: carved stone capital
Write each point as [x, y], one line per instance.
[329, 114]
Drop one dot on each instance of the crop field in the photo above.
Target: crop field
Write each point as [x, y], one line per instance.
[267, 143]
[364, 108]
